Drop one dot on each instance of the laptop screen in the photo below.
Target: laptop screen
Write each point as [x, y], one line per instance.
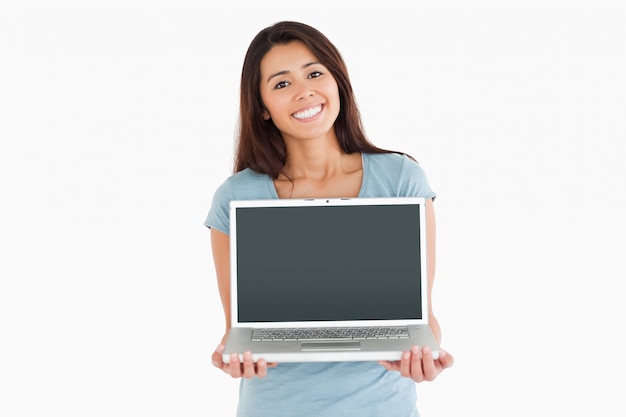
[328, 263]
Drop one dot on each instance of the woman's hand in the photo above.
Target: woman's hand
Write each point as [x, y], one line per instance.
[248, 369]
[419, 365]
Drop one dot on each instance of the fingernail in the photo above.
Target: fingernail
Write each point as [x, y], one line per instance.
[426, 350]
[415, 350]
[406, 355]
[219, 348]
[247, 355]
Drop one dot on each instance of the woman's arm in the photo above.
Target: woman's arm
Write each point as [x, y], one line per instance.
[431, 233]
[220, 245]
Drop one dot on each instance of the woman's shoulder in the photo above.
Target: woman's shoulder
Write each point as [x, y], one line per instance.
[243, 185]
[393, 163]
[244, 177]
[246, 184]
[395, 173]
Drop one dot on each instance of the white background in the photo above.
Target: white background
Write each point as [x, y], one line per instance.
[117, 123]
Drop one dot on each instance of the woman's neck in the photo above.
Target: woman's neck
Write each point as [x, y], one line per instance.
[315, 159]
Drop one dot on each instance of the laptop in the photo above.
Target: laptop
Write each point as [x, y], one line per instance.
[340, 279]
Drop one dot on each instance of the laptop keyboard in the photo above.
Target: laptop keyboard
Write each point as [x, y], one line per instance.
[330, 333]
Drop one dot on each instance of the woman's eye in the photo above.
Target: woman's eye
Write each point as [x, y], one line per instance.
[315, 74]
[281, 84]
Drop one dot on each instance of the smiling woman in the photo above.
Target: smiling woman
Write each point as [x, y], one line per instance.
[261, 146]
[301, 97]
[301, 137]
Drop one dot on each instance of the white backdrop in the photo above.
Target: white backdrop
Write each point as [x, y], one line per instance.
[117, 122]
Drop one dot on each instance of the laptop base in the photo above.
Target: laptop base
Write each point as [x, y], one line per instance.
[239, 341]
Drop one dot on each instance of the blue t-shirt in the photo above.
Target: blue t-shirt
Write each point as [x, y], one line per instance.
[327, 389]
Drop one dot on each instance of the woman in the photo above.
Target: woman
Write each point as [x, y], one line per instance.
[301, 137]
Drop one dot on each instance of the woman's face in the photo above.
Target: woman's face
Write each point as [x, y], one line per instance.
[300, 95]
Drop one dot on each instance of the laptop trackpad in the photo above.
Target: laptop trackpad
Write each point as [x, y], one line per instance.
[319, 346]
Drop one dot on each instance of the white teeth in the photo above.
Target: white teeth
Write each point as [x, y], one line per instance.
[306, 114]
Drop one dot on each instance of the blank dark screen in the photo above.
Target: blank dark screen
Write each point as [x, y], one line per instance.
[327, 263]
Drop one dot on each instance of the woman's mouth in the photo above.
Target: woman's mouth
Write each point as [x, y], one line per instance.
[308, 113]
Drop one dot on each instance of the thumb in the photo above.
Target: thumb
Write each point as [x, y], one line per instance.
[216, 359]
[445, 358]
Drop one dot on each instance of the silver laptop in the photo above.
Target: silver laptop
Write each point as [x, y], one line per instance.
[328, 279]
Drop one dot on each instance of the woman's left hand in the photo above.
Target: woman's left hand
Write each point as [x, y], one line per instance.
[419, 365]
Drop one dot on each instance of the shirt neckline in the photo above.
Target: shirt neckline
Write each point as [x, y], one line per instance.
[364, 164]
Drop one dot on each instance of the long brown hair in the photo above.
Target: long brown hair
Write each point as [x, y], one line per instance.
[260, 146]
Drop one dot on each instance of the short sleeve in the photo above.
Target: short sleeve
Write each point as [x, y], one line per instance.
[219, 217]
[244, 185]
[413, 181]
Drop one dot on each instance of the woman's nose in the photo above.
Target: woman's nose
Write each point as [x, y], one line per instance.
[304, 91]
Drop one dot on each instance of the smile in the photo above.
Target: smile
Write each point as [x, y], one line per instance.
[308, 113]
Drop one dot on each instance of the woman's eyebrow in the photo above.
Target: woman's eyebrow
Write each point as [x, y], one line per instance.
[278, 74]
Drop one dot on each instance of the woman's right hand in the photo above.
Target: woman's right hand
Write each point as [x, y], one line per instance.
[236, 369]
